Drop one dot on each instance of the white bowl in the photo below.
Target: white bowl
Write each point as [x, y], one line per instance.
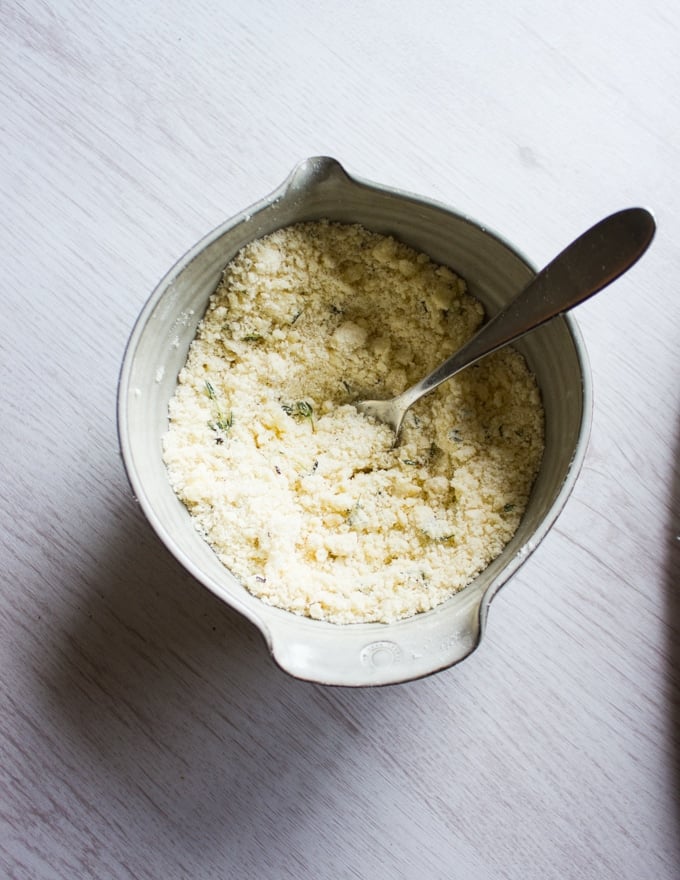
[370, 653]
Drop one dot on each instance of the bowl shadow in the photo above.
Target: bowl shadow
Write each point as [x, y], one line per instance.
[169, 700]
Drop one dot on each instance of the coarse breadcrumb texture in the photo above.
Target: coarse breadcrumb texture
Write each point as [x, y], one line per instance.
[305, 500]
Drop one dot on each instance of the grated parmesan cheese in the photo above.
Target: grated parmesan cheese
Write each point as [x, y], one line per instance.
[305, 500]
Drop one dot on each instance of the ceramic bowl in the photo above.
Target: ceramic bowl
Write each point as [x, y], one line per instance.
[370, 653]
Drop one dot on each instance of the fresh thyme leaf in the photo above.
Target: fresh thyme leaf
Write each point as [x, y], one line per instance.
[300, 409]
[252, 337]
[221, 421]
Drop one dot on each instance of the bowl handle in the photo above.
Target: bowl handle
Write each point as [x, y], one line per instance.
[356, 655]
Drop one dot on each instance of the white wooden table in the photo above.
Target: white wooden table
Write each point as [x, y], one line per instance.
[144, 731]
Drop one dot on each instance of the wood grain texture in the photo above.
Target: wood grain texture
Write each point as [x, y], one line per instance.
[144, 731]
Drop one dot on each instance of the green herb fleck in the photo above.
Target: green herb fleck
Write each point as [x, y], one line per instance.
[221, 422]
[300, 409]
[252, 337]
[508, 508]
[437, 539]
[353, 514]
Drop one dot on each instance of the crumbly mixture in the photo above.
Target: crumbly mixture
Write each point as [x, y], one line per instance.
[305, 500]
